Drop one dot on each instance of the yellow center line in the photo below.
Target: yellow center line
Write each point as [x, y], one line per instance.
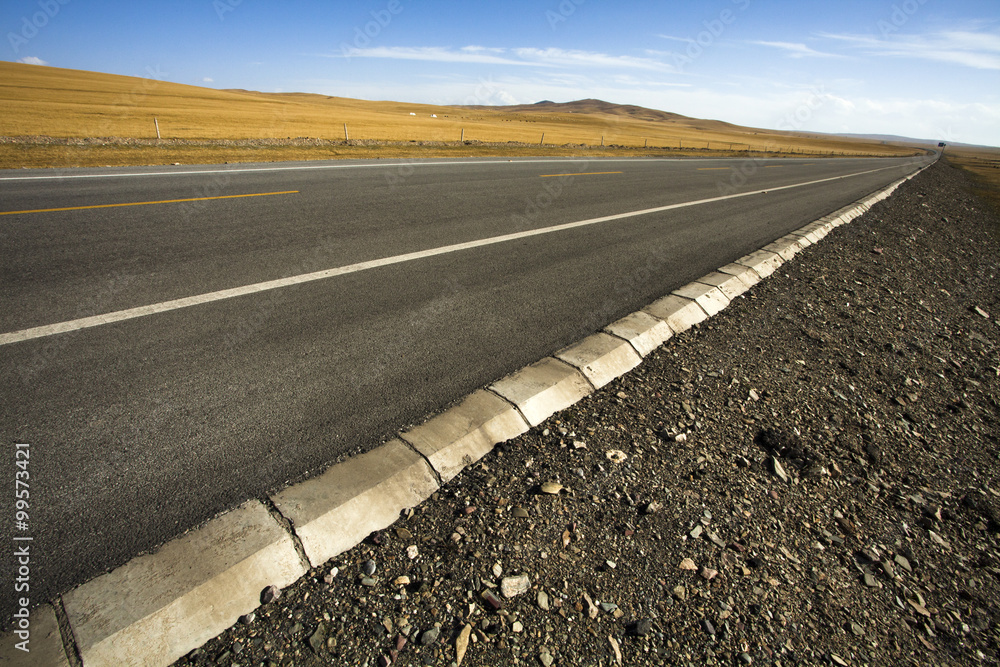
[773, 166]
[147, 203]
[713, 168]
[590, 173]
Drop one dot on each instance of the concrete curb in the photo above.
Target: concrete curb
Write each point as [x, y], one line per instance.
[333, 512]
[459, 437]
[158, 607]
[601, 358]
[543, 388]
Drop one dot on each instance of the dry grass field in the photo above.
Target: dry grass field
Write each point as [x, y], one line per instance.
[46, 111]
[984, 165]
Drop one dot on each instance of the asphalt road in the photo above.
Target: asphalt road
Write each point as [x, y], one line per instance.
[141, 428]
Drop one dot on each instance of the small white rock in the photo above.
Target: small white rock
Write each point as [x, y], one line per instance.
[511, 586]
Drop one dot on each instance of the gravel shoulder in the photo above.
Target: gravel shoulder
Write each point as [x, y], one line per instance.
[810, 477]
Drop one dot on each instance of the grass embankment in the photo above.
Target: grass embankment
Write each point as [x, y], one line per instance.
[33, 154]
[46, 111]
[984, 166]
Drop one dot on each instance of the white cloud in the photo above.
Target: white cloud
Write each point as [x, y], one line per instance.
[208, 79]
[430, 53]
[977, 50]
[676, 39]
[798, 50]
[549, 57]
[32, 60]
[574, 58]
[481, 49]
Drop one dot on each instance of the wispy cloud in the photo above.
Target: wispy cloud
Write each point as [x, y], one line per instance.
[432, 53]
[521, 57]
[31, 60]
[208, 79]
[675, 39]
[977, 50]
[797, 50]
[574, 58]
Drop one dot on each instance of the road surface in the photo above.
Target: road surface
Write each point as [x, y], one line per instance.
[334, 303]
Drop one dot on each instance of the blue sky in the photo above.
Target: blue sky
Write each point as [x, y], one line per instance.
[922, 68]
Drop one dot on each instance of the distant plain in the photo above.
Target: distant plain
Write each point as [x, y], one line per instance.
[54, 117]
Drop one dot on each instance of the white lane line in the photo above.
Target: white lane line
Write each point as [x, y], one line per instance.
[209, 297]
[371, 165]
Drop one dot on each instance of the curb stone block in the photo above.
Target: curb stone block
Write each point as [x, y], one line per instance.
[336, 510]
[730, 286]
[800, 235]
[158, 607]
[642, 330]
[680, 313]
[459, 437]
[543, 388]
[786, 249]
[763, 262]
[814, 232]
[711, 299]
[748, 276]
[45, 645]
[798, 242]
[601, 358]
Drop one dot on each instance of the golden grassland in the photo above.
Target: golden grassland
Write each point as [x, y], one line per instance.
[984, 165]
[46, 102]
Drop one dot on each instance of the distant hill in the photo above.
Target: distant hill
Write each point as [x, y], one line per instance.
[594, 107]
[590, 106]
